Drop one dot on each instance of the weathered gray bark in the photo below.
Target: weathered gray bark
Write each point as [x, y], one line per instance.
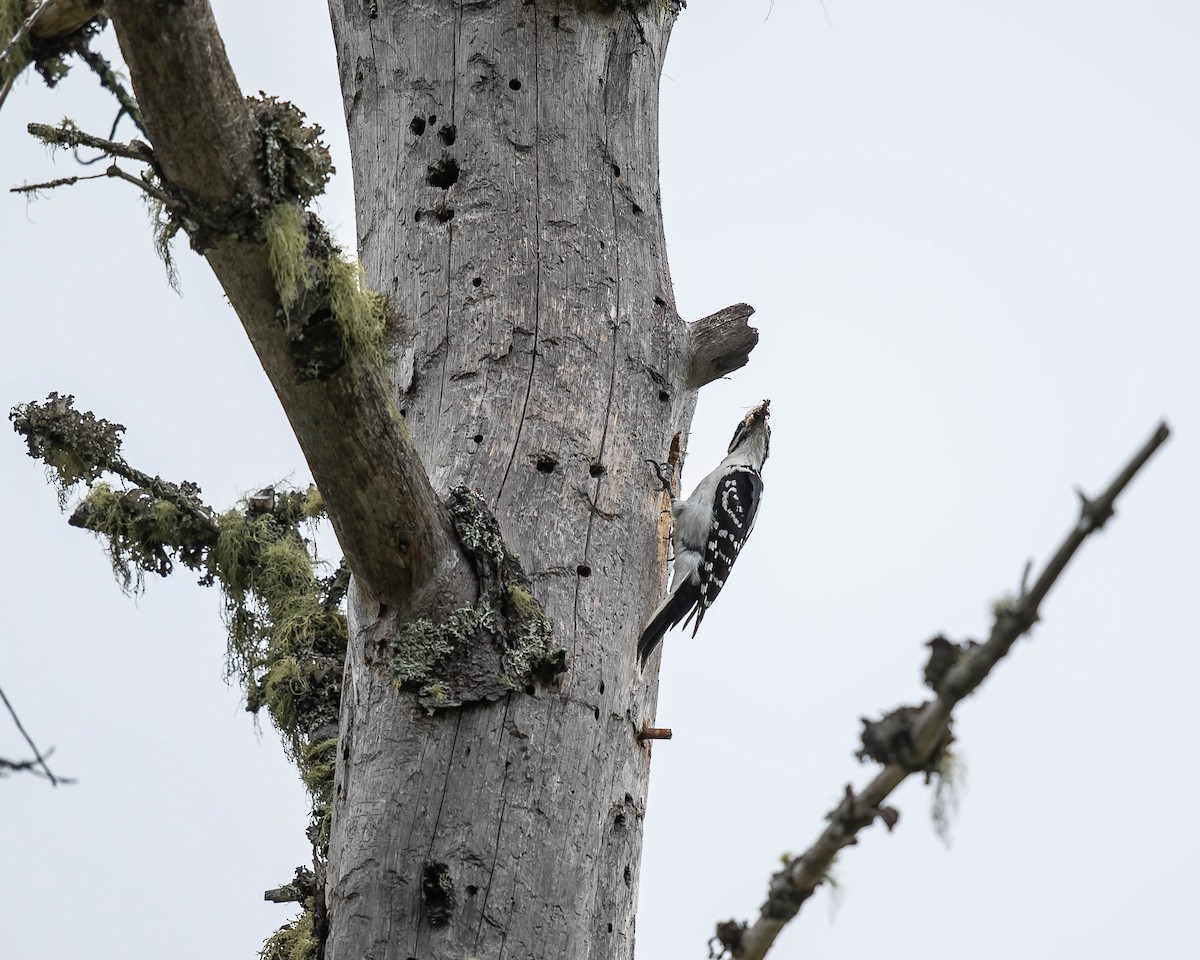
[506, 164]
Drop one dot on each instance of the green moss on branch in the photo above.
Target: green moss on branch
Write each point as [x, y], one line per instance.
[295, 940]
[333, 318]
[286, 625]
[142, 533]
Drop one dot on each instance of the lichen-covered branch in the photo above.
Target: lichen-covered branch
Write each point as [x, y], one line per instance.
[720, 344]
[915, 739]
[287, 630]
[240, 178]
[286, 622]
[66, 134]
[279, 612]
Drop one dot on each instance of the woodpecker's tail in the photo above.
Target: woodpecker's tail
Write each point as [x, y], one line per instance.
[670, 612]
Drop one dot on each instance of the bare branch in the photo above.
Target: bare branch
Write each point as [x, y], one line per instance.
[112, 83]
[928, 734]
[141, 183]
[54, 184]
[66, 134]
[39, 757]
[721, 343]
[19, 766]
[112, 172]
[32, 767]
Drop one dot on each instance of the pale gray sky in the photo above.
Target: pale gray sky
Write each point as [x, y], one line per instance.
[972, 234]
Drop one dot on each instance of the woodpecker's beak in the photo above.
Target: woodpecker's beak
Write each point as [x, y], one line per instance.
[755, 419]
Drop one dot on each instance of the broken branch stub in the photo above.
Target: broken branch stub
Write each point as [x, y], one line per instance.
[720, 344]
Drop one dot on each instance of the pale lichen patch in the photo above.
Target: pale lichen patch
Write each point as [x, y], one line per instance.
[483, 651]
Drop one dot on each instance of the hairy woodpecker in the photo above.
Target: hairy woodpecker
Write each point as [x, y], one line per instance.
[709, 529]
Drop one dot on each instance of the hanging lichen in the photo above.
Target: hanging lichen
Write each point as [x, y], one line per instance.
[142, 533]
[360, 312]
[286, 625]
[949, 778]
[293, 941]
[287, 241]
[331, 315]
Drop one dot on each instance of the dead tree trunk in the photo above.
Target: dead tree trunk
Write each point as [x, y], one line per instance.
[506, 168]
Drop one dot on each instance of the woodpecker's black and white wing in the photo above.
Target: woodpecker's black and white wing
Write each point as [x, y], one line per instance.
[733, 513]
[709, 529]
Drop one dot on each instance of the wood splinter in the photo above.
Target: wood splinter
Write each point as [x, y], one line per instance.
[654, 733]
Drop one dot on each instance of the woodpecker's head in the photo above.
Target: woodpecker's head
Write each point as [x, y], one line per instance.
[753, 435]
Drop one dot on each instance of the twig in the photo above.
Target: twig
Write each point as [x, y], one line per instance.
[113, 171]
[38, 758]
[112, 135]
[146, 188]
[19, 766]
[22, 32]
[171, 492]
[51, 184]
[109, 80]
[68, 135]
[31, 766]
[800, 877]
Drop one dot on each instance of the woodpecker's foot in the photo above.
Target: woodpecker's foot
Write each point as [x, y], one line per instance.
[665, 481]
